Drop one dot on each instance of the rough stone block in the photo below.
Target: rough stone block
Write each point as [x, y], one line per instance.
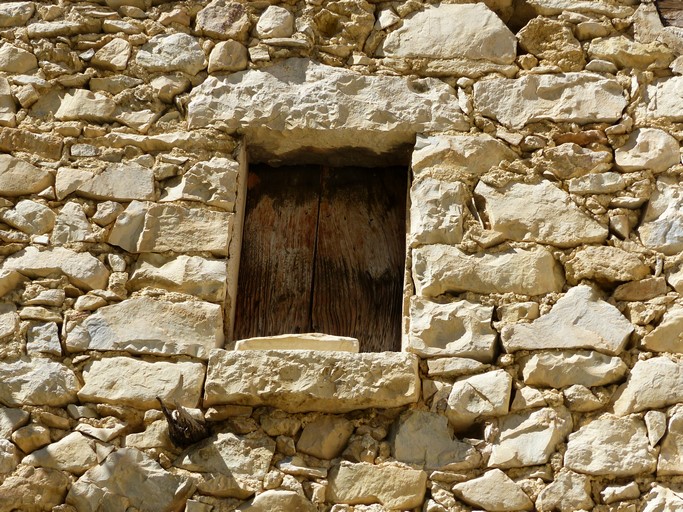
[18, 178]
[564, 368]
[118, 182]
[325, 437]
[652, 384]
[37, 381]
[308, 341]
[471, 398]
[312, 381]
[662, 225]
[494, 491]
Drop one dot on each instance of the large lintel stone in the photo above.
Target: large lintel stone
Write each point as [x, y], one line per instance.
[299, 381]
[142, 325]
[570, 97]
[298, 104]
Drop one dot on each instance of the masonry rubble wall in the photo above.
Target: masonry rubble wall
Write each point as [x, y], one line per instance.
[542, 351]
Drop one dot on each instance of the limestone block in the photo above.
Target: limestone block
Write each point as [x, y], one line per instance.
[671, 452]
[626, 53]
[246, 457]
[72, 225]
[82, 25]
[663, 497]
[172, 52]
[16, 60]
[652, 384]
[31, 217]
[202, 277]
[16, 14]
[275, 21]
[167, 87]
[566, 368]
[7, 106]
[113, 56]
[213, 182]
[9, 320]
[19, 178]
[648, 148]
[118, 182]
[655, 422]
[487, 394]
[43, 338]
[278, 500]
[155, 436]
[570, 160]
[439, 269]
[142, 325]
[437, 211]
[223, 19]
[454, 367]
[668, 335]
[613, 493]
[473, 154]
[9, 280]
[18, 491]
[31, 437]
[228, 56]
[662, 224]
[606, 265]
[571, 97]
[605, 183]
[11, 419]
[602, 7]
[306, 341]
[424, 439]
[150, 227]
[9, 456]
[611, 446]
[73, 453]
[135, 383]
[378, 113]
[458, 328]
[663, 99]
[299, 381]
[82, 269]
[37, 381]
[445, 31]
[645, 289]
[553, 42]
[393, 486]
[325, 437]
[568, 492]
[128, 478]
[83, 105]
[528, 438]
[580, 319]
[541, 213]
[494, 491]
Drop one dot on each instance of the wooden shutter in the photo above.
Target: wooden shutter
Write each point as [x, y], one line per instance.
[324, 251]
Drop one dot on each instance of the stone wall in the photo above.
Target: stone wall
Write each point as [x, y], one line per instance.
[543, 315]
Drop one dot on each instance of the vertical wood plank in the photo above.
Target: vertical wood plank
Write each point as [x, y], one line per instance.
[276, 267]
[358, 278]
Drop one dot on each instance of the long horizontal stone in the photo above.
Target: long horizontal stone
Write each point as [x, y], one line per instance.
[570, 97]
[118, 182]
[279, 108]
[566, 368]
[135, 383]
[439, 269]
[299, 381]
[82, 268]
[151, 227]
[142, 325]
[37, 381]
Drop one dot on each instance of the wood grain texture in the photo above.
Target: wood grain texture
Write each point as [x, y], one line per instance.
[274, 292]
[671, 12]
[358, 277]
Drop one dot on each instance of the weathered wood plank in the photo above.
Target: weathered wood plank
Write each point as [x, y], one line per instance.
[671, 12]
[274, 293]
[358, 276]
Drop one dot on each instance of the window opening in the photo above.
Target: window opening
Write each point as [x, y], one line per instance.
[324, 251]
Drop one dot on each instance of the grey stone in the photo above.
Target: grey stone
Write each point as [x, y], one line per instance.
[37, 381]
[439, 269]
[580, 319]
[302, 380]
[562, 369]
[529, 438]
[172, 52]
[611, 446]
[128, 478]
[131, 382]
[571, 97]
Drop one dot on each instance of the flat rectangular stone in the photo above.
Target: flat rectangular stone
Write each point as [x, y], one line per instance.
[131, 382]
[308, 341]
[48, 146]
[299, 381]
